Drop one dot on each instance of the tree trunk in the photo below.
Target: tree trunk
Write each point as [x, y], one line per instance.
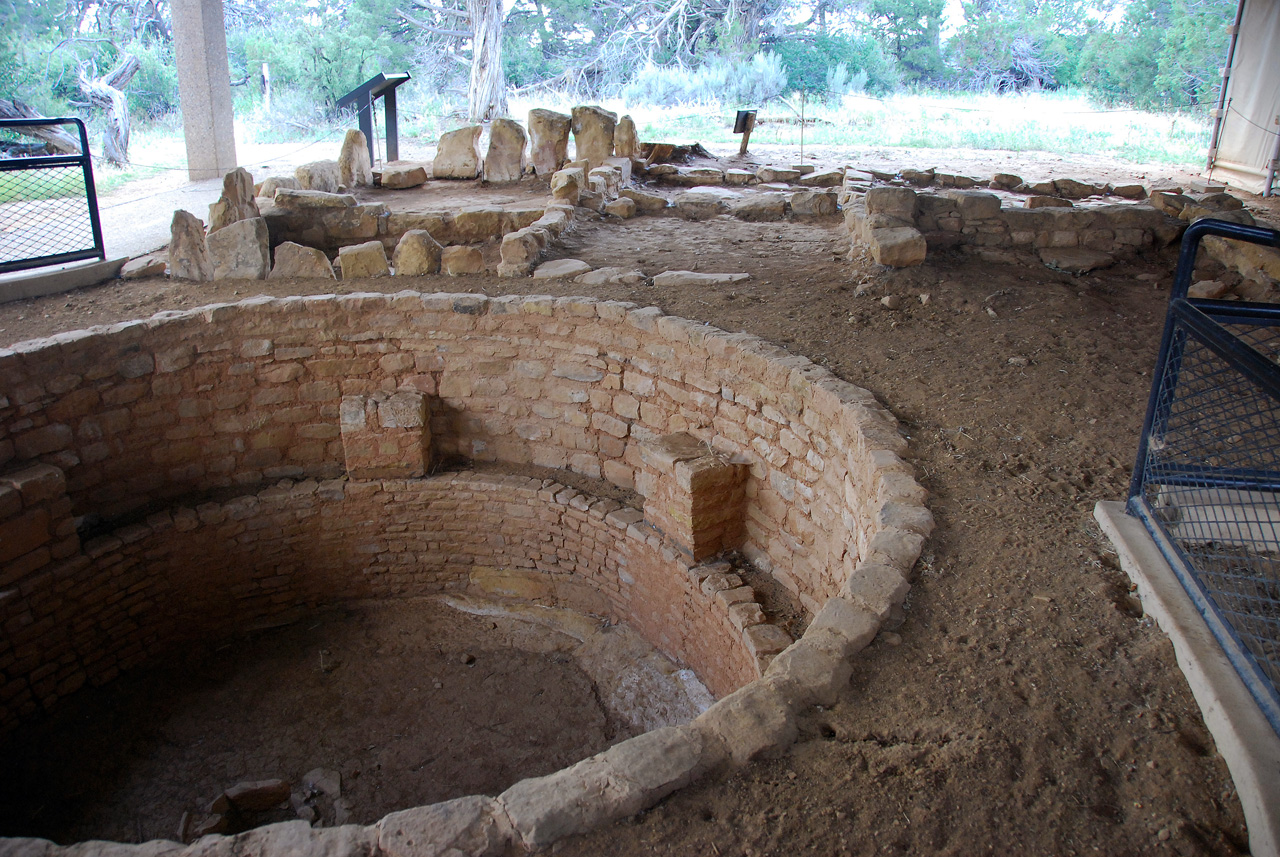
[105, 92]
[487, 92]
[52, 135]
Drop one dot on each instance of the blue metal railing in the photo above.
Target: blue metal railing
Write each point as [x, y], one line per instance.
[48, 203]
[1207, 479]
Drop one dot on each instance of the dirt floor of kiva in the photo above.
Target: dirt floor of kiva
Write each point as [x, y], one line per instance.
[1026, 705]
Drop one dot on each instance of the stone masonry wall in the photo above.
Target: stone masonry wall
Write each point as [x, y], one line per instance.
[149, 415]
[191, 574]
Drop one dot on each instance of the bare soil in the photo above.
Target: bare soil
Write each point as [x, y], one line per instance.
[410, 703]
[1026, 705]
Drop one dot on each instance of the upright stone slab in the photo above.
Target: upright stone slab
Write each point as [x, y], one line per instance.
[354, 167]
[694, 496]
[549, 140]
[505, 161]
[241, 251]
[593, 134]
[188, 252]
[458, 154]
[236, 202]
[386, 435]
[625, 142]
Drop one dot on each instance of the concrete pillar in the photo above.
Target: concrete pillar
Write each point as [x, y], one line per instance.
[204, 87]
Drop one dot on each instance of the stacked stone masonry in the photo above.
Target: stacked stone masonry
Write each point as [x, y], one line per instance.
[136, 422]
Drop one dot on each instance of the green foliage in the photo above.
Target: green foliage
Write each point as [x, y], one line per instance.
[812, 64]
[1014, 45]
[323, 51]
[1164, 54]
[911, 31]
[154, 89]
[739, 83]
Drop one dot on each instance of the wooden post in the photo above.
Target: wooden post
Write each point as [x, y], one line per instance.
[746, 121]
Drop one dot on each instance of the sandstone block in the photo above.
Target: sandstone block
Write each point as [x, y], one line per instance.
[777, 174]
[521, 247]
[461, 260]
[813, 203]
[673, 279]
[323, 176]
[458, 154]
[975, 204]
[549, 140]
[142, 267]
[416, 253]
[1005, 181]
[738, 177]
[760, 207]
[625, 142]
[268, 187]
[364, 260]
[1075, 260]
[1047, 202]
[647, 203]
[615, 784]
[899, 202]
[1130, 191]
[593, 129]
[610, 275]
[695, 205]
[560, 268]
[505, 161]
[806, 674]
[622, 208]
[401, 175]
[258, 796]
[241, 251]
[295, 260]
[1072, 189]
[474, 826]
[188, 250]
[822, 178]
[752, 723]
[478, 224]
[695, 177]
[312, 200]
[236, 202]
[354, 167]
[877, 588]
[567, 185]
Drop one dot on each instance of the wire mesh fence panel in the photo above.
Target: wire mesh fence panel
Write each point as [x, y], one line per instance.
[1211, 474]
[48, 203]
[1207, 479]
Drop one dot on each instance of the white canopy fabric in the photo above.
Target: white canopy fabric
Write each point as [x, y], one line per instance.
[1247, 141]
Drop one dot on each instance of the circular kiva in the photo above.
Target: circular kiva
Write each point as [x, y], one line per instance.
[321, 417]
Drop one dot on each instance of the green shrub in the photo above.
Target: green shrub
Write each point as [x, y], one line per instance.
[743, 82]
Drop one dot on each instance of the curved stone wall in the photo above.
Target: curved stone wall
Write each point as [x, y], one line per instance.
[343, 403]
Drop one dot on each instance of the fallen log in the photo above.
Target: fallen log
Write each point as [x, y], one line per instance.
[53, 136]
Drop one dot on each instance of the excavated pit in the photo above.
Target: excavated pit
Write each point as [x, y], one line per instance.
[245, 466]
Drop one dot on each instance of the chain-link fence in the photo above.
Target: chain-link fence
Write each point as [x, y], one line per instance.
[1208, 468]
[48, 204]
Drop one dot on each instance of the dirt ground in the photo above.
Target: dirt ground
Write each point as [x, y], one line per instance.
[409, 703]
[1025, 706]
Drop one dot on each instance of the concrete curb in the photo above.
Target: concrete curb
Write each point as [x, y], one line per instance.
[1245, 739]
